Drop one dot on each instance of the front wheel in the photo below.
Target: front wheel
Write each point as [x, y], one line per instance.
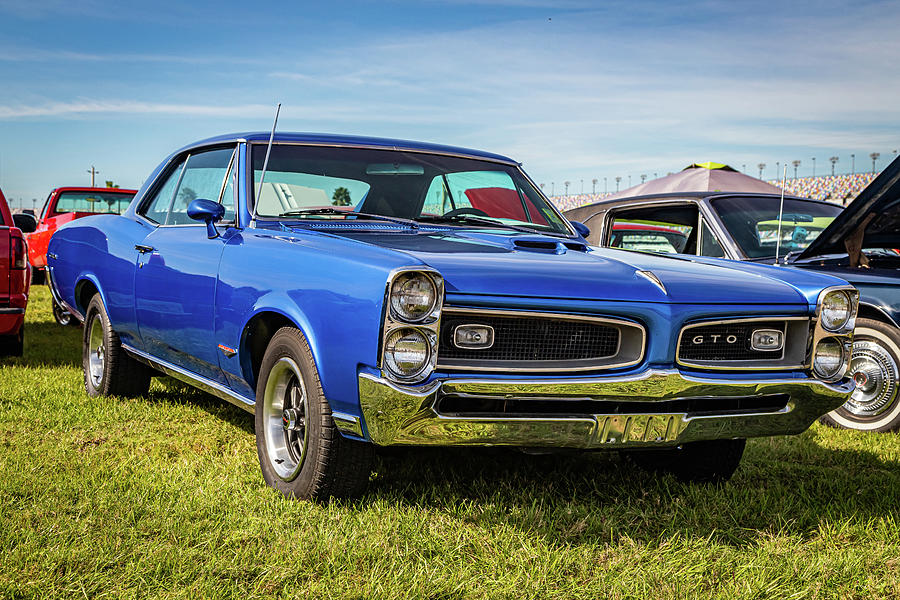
[712, 461]
[301, 452]
[108, 370]
[875, 367]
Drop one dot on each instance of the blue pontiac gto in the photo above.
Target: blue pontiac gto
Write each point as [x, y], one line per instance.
[356, 292]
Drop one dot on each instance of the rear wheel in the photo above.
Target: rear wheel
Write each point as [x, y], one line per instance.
[875, 367]
[12, 345]
[301, 452]
[62, 316]
[712, 461]
[108, 370]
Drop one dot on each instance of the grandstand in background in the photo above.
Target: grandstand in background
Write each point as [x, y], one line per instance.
[840, 189]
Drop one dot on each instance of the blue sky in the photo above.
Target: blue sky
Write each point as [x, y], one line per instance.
[575, 90]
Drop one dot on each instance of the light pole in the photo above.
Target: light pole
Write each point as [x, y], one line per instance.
[629, 181]
[814, 166]
[744, 168]
[777, 169]
[552, 187]
[93, 172]
[796, 164]
[618, 179]
[761, 167]
[605, 191]
[853, 164]
[833, 160]
[582, 186]
[593, 187]
[567, 187]
[643, 178]
[874, 156]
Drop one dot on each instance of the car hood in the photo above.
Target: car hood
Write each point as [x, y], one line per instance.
[877, 209]
[541, 266]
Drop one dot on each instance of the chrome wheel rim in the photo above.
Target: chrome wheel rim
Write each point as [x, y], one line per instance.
[96, 356]
[875, 372]
[285, 409]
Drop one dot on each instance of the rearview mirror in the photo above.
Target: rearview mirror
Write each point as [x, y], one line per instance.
[209, 212]
[27, 223]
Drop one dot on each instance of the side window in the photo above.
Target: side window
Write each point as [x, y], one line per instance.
[204, 177]
[709, 245]
[158, 209]
[667, 229]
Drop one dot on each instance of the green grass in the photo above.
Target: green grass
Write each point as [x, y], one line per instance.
[162, 497]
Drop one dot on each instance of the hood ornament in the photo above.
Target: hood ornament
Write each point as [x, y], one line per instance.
[652, 278]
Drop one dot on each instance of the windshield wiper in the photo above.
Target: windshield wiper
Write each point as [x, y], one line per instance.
[347, 213]
[464, 219]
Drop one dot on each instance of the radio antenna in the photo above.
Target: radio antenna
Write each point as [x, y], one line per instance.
[780, 214]
[262, 175]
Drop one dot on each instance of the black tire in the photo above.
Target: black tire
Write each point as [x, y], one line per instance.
[108, 370]
[62, 316]
[301, 452]
[875, 365]
[12, 345]
[712, 461]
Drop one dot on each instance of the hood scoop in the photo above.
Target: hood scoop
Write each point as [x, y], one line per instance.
[547, 246]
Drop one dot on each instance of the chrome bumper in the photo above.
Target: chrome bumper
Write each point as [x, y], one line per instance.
[406, 415]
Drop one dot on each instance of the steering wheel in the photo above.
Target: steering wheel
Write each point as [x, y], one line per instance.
[465, 211]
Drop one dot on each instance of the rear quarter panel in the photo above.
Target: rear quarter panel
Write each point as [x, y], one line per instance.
[100, 250]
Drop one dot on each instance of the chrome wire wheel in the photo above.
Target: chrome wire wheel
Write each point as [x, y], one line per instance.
[96, 352]
[875, 372]
[285, 410]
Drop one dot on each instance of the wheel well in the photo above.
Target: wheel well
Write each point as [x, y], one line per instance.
[255, 339]
[867, 311]
[84, 291]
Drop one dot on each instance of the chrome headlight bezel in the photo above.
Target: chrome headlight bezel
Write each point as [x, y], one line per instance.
[390, 363]
[829, 302]
[407, 278]
[840, 332]
[843, 356]
[427, 324]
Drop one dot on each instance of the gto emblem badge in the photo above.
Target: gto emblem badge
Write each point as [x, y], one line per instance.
[714, 339]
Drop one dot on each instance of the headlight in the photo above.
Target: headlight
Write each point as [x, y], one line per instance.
[829, 359]
[407, 353]
[836, 310]
[413, 297]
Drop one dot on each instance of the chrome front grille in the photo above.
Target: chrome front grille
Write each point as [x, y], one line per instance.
[725, 345]
[540, 342]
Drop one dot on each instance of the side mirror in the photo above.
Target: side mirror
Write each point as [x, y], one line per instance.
[581, 228]
[208, 212]
[27, 223]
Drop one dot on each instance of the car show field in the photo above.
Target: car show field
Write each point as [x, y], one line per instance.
[160, 495]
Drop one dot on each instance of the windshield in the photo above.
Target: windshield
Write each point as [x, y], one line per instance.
[93, 202]
[753, 223]
[406, 185]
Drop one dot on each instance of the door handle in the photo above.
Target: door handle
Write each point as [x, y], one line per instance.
[143, 249]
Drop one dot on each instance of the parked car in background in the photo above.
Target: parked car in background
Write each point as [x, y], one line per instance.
[15, 280]
[858, 244]
[452, 305]
[65, 204]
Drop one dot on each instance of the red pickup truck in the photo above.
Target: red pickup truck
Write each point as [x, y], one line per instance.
[66, 204]
[15, 279]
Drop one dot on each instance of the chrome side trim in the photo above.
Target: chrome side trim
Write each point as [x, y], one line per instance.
[207, 385]
[761, 364]
[12, 311]
[561, 366]
[407, 415]
[347, 423]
